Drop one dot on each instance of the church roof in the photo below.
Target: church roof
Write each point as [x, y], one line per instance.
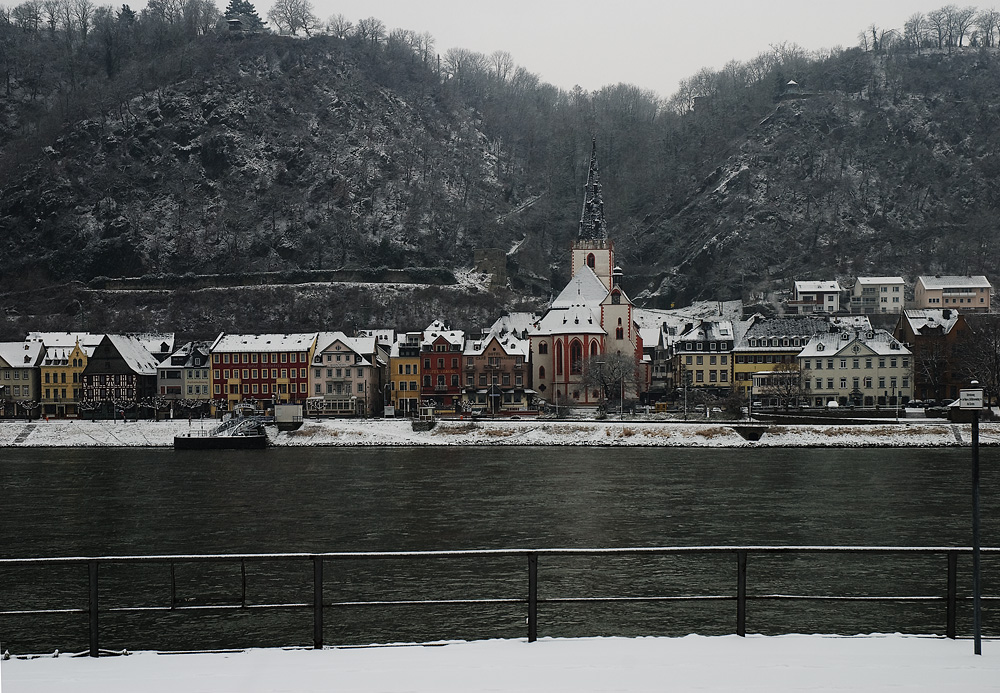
[585, 288]
[578, 319]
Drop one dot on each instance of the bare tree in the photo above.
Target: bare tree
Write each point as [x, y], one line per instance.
[938, 22]
[613, 375]
[83, 13]
[370, 30]
[784, 383]
[915, 30]
[293, 16]
[501, 65]
[988, 24]
[963, 19]
[339, 26]
[978, 354]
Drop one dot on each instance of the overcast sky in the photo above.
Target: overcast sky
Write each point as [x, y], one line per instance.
[652, 44]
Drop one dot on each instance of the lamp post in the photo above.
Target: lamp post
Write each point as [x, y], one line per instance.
[972, 399]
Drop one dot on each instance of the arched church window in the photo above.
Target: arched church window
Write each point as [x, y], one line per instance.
[543, 348]
[576, 357]
[559, 358]
[594, 350]
[541, 372]
[620, 331]
[591, 261]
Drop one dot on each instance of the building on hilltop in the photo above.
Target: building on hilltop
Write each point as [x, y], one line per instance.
[591, 318]
[815, 297]
[878, 295]
[969, 294]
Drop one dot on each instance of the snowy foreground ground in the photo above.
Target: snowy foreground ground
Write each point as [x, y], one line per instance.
[693, 663]
[917, 432]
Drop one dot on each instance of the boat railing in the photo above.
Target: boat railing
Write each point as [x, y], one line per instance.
[944, 593]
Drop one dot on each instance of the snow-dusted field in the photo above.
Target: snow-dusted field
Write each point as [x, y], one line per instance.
[341, 432]
[692, 663]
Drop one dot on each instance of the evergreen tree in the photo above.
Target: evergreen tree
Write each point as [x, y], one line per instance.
[244, 9]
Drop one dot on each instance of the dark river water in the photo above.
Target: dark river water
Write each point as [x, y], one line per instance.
[153, 501]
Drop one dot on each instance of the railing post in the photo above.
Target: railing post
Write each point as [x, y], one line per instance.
[92, 613]
[243, 583]
[532, 597]
[317, 602]
[952, 597]
[741, 593]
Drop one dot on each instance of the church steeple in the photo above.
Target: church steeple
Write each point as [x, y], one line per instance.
[592, 247]
[592, 224]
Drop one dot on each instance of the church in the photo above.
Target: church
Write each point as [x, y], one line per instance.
[590, 318]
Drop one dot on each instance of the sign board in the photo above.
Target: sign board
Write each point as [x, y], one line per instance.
[970, 399]
[388, 411]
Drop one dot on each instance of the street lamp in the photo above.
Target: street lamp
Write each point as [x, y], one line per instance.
[972, 399]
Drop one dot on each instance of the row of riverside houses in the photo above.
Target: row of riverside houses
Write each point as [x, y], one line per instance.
[569, 356]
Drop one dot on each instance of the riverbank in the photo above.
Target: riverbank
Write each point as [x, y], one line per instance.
[585, 665]
[393, 432]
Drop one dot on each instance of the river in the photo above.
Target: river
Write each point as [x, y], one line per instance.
[83, 502]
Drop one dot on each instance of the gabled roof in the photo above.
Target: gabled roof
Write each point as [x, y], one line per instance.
[817, 287]
[26, 354]
[363, 347]
[510, 344]
[955, 282]
[881, 280]
[570, 320]
[878, 342]
[585, 288]
[264, 342]
[710, 331]
[931, 320]
[134, 353]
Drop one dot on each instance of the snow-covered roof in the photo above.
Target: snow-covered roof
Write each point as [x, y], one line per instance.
[66, 339]
[185, 355]
[955, 282]
[650, 336]
[709, 331]
[767, 334]
[134, 352]
[509, 343]
[364, 347]
[519, 323]
[851, 322]
[931, 319]
[570, 320]
[879, 342]
[585, 288]
[264, 342]
[26, 354]
[880, 280]
[817, 287]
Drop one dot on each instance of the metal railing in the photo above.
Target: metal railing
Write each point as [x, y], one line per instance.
[531, 600]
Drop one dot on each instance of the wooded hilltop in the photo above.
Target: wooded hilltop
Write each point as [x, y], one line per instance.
[154, 144]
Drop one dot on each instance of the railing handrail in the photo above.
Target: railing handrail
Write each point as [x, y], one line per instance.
[445, 553]
[532, 555]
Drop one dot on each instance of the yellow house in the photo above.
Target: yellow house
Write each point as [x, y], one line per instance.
[404, 373]
[61, 370]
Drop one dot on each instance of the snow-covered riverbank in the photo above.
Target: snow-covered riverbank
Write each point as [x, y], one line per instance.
[585, 665]
[378, 432]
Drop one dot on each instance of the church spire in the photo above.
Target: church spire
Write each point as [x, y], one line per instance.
[592, 225]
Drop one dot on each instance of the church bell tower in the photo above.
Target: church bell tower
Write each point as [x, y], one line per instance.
[592, 247]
